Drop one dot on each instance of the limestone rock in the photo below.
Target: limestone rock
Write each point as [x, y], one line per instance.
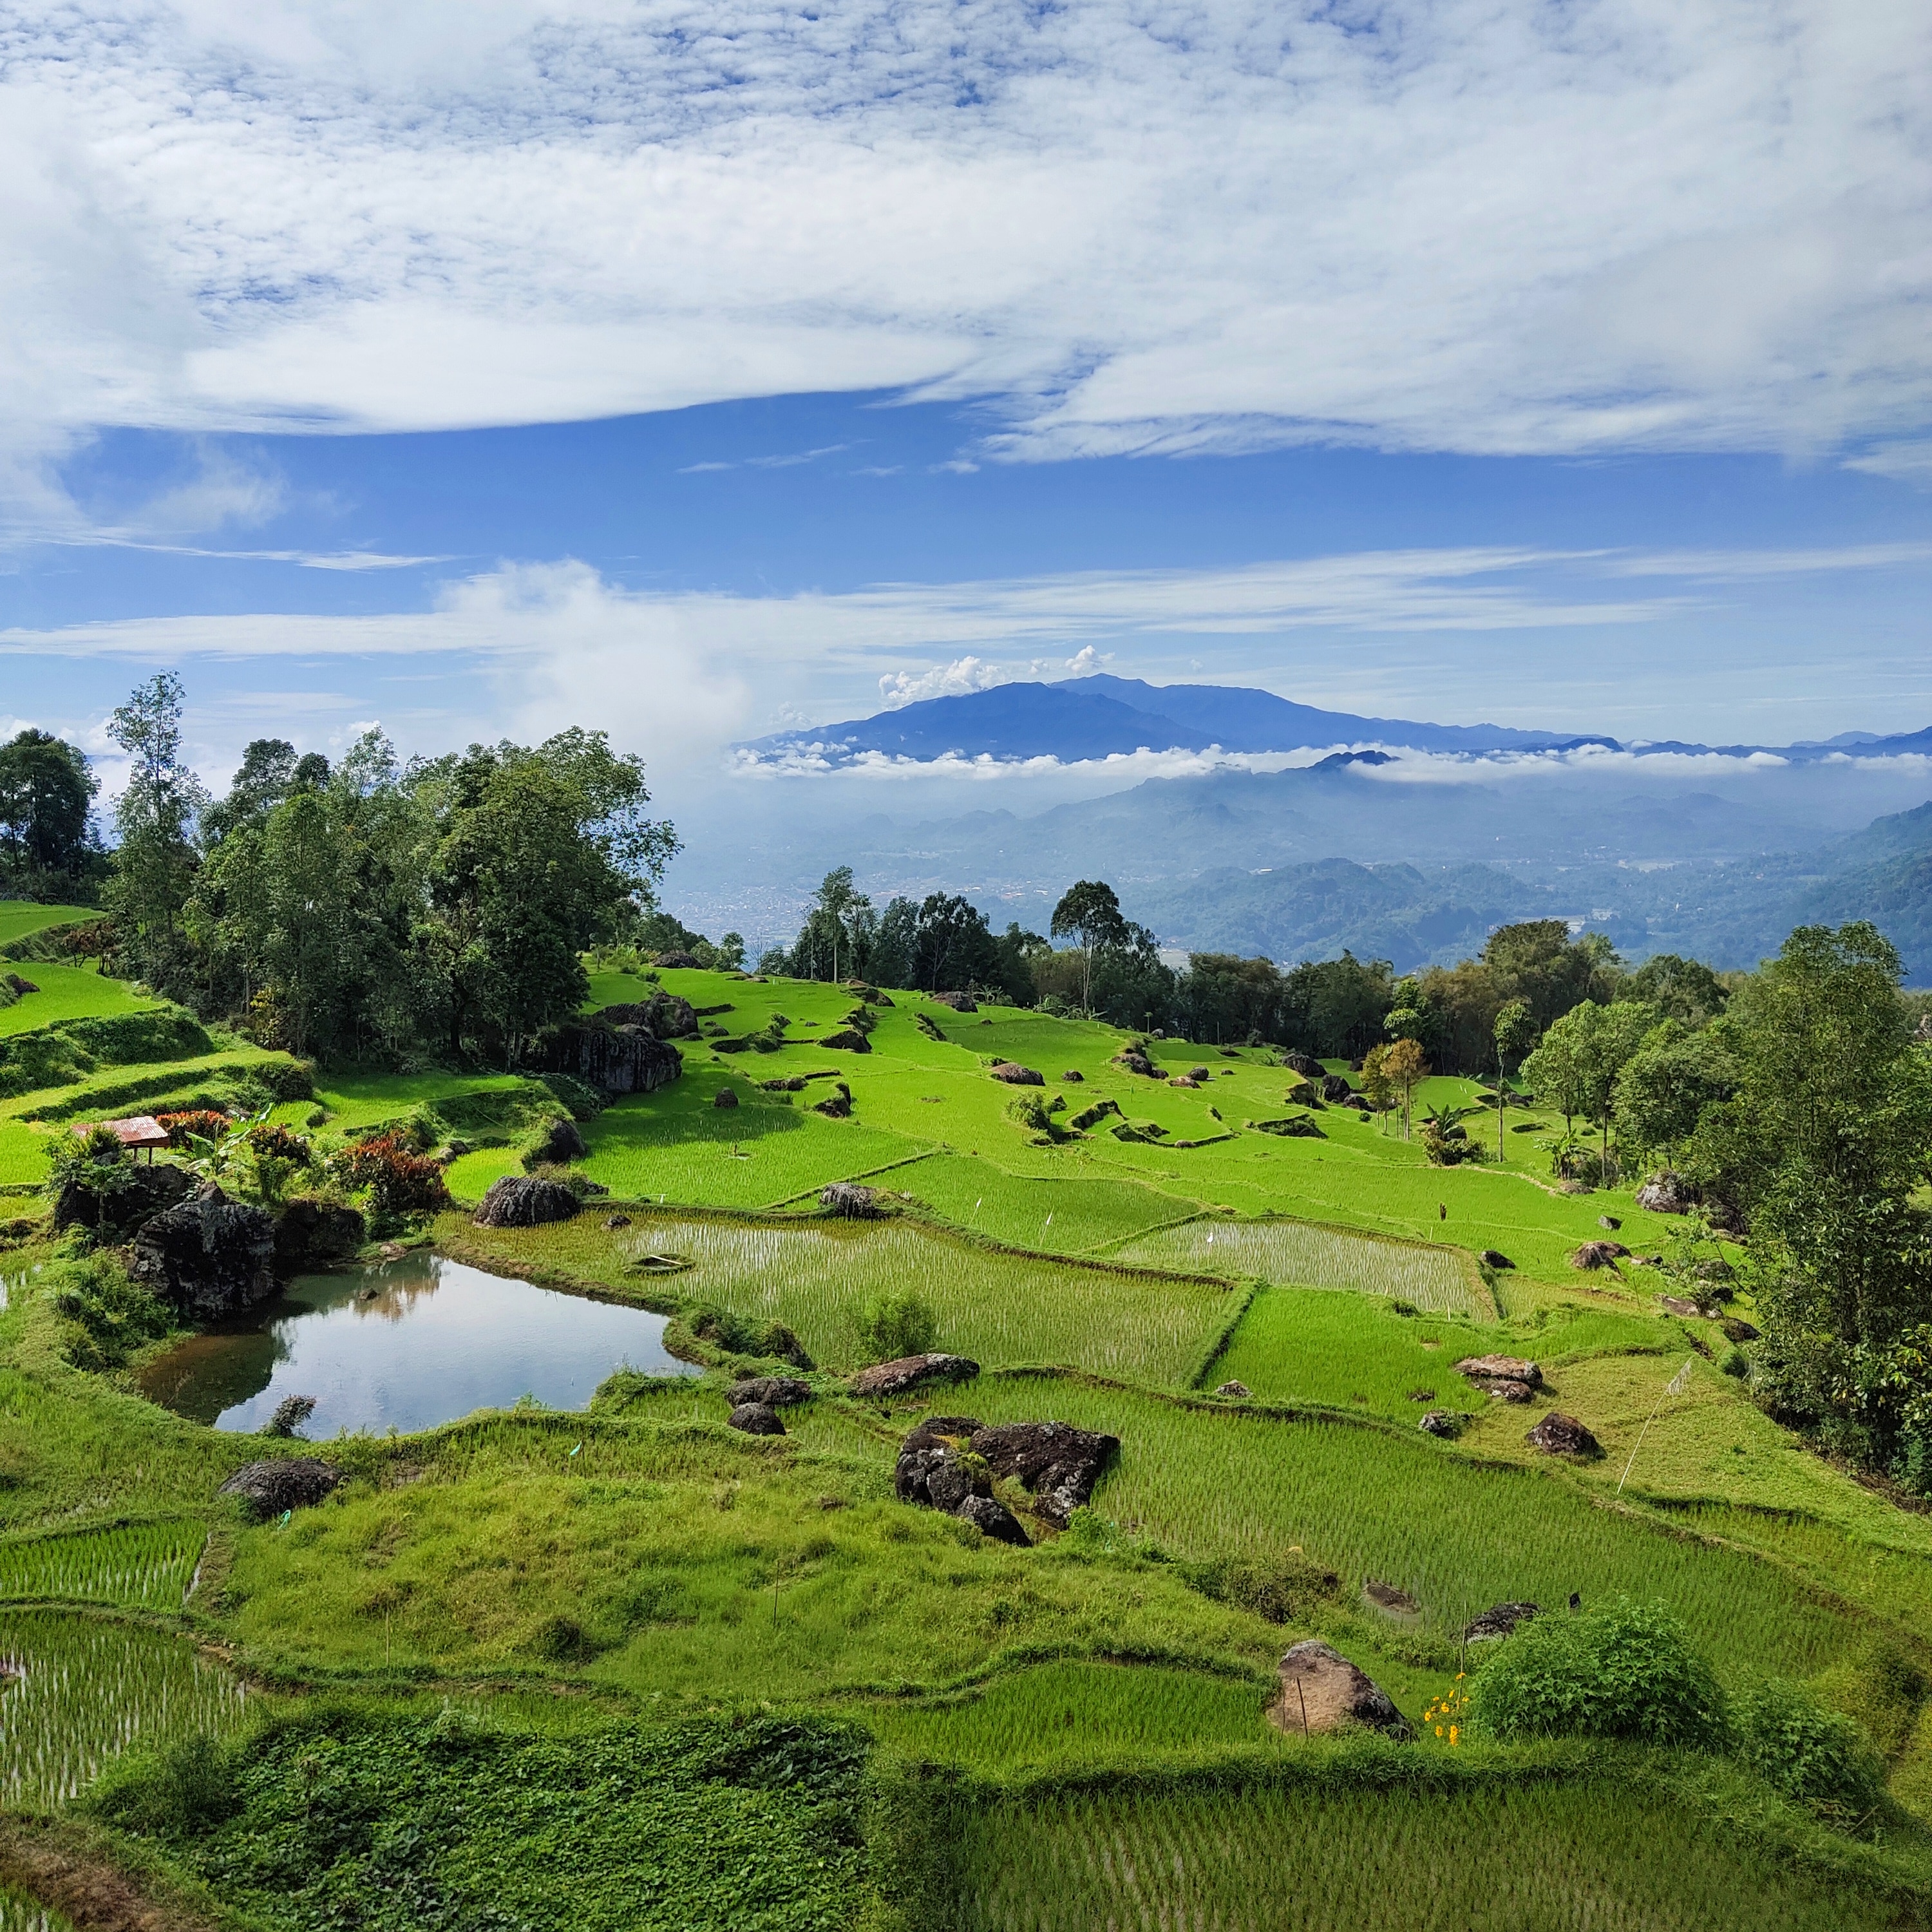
[525, 1201]
[1335, 1088]
[152, 1190]
[1058, 1463]
[836, 1107]
[755, 1418]
[1609, 1221]
[1440, 1422]
[1015, 1075]
[887, 1379]
[615, 1221]
[1680, 1305]
[992, 1519]
[1494, 1258]
[1736, 1329]
[848, 1039]
[1321, 1689]
[281, 1482]
[1234, 1388]
[1073, 1076]
[850, 1200]
[1136, 1062]
[562, 1143]
[1305, 1064]
[725, 1096]
[1499, 1620]
[1560, 1434]
[1599, 1255]
[1505, 1390]
[663, 1014]
[675, 962]
[1667, 1192]
[313, 1234]
[614, 1059]
[773, 1391]
[1499, 1369]
[960, 1003]
[208, 1256]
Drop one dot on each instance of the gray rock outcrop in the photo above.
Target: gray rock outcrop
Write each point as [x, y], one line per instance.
[663, 1014]
[1015, 1075]
[1322, 1691]
[1058, 1463]
[887, 1379]
[1499, 1620]
[1557, 1434]
[207, 1256]
[774, 1391]
[755, 1418]
[281, 1482]
[850, 1200]
[315, 1234]
[614, 1059]
[150, 1190]
[1667, 1192]
[992, 1518]
[525, 1201]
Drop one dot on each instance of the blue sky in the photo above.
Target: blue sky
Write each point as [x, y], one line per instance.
[696, 373]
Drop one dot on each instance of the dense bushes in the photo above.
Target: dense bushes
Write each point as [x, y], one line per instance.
[1817, 1756]
[891, 1326]
[109, 1315]
[398, 1180]
[1626, 1671]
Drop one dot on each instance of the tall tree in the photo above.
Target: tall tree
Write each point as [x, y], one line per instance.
[46, 802]
[1514, 1033]
[1089, 913]
[155, 814]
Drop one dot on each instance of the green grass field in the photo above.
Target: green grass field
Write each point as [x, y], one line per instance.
[68, 993]
[20, 919]
[529, 1572]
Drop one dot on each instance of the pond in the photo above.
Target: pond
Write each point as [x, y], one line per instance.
[406, 1345]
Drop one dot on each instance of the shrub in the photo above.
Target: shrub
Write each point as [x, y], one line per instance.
[286, 1079]
[893, 1325]
[1818, 1757]
[398, 1180]
[1625, 1671]
[197, 1123]
[582, 1100]
[1280, 1589]
[111, 1316]
[185, 1789]
[268, 1140]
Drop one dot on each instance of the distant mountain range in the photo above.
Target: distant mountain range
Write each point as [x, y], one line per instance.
[1103, 716]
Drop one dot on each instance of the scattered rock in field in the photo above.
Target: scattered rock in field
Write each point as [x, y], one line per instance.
[18, 984]
[1335, 1088]
[848, 1039]
[1736, 1330]
[676, 962]
[1422, 1395]
[939, 1432]
[793, 1083]
[1234, 1388]
[152, 1191]
[836, 1107]
[616, 1059]
[614, 1221]
[282, 1483]
[562, 1142]
[663, 1014]
[993, 1519]
[1599, 1255]
[1015, 1075]
[774, 1391]
[1721, 1216]
[887, 1379]
[1136, 1062]
[1499, 1369]
[1090, 1117]
[1569, 1185]
[1609, 1221]
[1560, 1434]
[1440, 1422]
[207, 1256]
[391, 1251]
[756, 1418]
[1494, 1258]
[1306, 1064]
[1667, 1192]
[725, 1096]
[1387, 1597]
[1678, 1304]
[1322, 1691]
[1183, 1080]
[1499, 1620]
[1073, 1076]
[525, 1201]
[1057, 1462]
[960, 1003]
[312, 1234]
[1198, 1073]
[1509, 1391]
[1297, 1126]
[847, 1198]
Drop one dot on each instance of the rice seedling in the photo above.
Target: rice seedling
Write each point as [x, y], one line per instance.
[67, 993]
[1074, 1210]
[1489, 1857]
[1300, 1254]
[78, 1689]
[816, 1277]
[19, 1913]
[143, 1565]
[19, 918]
[1455, 1535]
[1063, 1713]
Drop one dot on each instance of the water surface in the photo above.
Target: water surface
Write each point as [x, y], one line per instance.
[406, 1345]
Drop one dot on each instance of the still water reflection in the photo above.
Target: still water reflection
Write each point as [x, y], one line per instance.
[406, 1345]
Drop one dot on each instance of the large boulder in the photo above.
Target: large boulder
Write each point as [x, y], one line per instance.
[207, 1256]
[676, 962]
[1599, 1255]
[283, 1483]
[887, 1379]
[755, 1418]
[1499, 1620]
[613, 1058]
[1015, 1075]
[850, 1200]
[1665, 1193]
[848, 1039]
[316, 1235]
[149, 1191]
[1135, 1061]
[525, 1201]
[1560, 1434]
[1335, 1088]
[1322, 1691]
[774, 1391]
[1496, 1258]
[960, 1003]
[1485, 1369]
[1305, 1064]
[1441, 1422]
[562, 1142]
[663, 1014]
[992, 1518]
[1058, 1462]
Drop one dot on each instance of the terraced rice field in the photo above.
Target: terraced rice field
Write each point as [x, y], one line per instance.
[1554, 1858]
[79, 1689]
[145, 1566]
[1302, 1254]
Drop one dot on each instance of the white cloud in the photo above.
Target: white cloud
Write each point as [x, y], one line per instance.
[899, 688]
[1485, 225]
[1904, 462]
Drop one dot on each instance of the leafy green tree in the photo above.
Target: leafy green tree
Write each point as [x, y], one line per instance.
[1582, 1054]
[1089, 913]
[47, 804]
[1334, 1007]
[1823, 1147]
[154, 863]
[1404, 1067]
[1666, 1085]
[1514, 1031]
[1685, 990]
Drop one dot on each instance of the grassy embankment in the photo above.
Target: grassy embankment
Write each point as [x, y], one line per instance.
[670, 1568]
